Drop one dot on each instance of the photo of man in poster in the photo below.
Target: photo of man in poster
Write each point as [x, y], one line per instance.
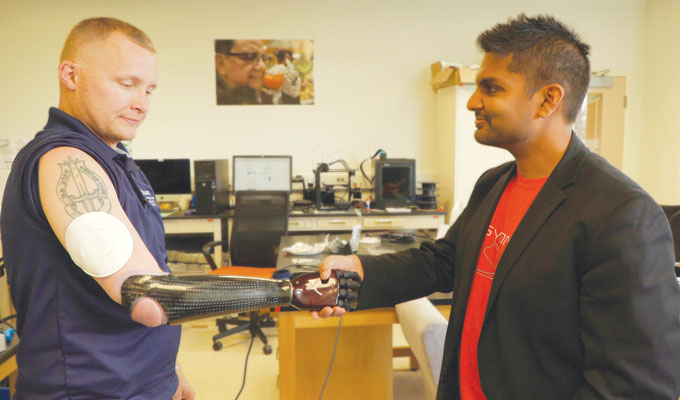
[254, 72]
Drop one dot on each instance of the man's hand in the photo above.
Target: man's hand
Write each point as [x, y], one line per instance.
[347, 263]
[310, 292]
[184, 390]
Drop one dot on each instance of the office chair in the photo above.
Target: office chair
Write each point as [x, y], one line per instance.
[260, 219]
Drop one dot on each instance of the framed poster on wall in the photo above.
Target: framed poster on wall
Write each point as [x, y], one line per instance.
[259, 71]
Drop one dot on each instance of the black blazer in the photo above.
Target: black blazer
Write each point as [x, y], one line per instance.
[584, 303]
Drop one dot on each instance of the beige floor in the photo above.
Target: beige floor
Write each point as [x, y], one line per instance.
[217, 375]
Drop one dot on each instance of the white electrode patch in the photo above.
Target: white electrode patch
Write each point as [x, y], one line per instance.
[99, 243]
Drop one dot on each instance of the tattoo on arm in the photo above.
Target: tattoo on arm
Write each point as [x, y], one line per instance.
[80, 189]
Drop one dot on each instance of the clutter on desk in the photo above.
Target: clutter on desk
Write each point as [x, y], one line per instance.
[167, 206]
[354, 240]
[8, 334]
[370, 240]
[399, 237]
[337, 245]
[304, 249]
[314, 262]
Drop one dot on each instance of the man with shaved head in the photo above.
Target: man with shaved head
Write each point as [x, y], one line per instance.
[84, 241]
[77, 341]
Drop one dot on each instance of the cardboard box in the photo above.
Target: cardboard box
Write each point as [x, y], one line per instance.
[443, 77]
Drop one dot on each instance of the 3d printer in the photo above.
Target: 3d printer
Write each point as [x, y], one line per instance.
[326, 199]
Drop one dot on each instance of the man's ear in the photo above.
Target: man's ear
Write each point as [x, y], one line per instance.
[67, 74]
[219, 63]
[552, 96]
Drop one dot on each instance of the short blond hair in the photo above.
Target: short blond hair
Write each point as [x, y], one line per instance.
[100, 28]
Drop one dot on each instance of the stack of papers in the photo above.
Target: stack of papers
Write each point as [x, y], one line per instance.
[304, 249]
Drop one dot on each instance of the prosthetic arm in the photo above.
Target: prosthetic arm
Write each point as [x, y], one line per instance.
[87, 218]
[184, 298]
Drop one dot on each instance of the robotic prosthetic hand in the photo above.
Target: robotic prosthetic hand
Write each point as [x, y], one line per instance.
[184, 298]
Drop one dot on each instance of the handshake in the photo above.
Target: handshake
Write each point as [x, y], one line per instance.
[185, 298]
[311, 293]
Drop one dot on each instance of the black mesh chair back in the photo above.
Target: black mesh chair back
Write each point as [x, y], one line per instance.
[260, 219]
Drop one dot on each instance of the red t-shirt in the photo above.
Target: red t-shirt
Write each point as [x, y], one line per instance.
[518, 196]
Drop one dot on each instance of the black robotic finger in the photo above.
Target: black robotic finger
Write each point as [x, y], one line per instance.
[347, 305]
[351, 275]
[349, 280]
[349, 283]
[352, 285]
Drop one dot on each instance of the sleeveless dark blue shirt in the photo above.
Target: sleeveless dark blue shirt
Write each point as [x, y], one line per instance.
[75, 341]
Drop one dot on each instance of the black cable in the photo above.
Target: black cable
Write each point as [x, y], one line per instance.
[377, 152]
[335, 347]
[361, 168]
[4, 321]
[245, 369]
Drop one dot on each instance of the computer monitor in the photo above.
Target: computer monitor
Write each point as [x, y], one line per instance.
[262, 173]
[170, 178]
[394, 182]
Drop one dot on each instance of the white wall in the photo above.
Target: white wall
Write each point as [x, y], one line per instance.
[371, 70]
[660, 146]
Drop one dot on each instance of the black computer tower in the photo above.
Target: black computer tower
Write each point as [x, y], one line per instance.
[211, 179]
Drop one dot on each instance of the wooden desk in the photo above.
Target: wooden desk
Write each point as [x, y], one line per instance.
[180, 224]
[363, 362]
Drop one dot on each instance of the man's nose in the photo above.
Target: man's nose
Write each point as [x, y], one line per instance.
[475, 101]
[141, 102]
[260, 64]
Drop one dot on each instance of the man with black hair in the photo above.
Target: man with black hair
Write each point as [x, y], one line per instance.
[561, 266]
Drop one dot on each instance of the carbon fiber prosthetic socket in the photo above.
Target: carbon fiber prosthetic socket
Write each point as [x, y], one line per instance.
[184, 298]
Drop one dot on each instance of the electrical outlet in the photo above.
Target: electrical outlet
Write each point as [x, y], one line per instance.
[340, 179]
